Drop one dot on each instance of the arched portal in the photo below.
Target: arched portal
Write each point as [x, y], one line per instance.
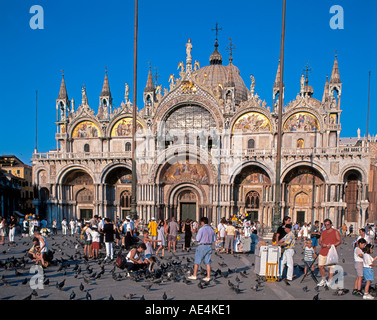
[352, 189]
[117, 192]
[252, 193]
[303, 193]
[78, 194]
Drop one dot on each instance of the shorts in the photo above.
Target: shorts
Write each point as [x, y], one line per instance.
[88, 242]
[95, 245]
[322, 261]
[368, 274]
[172, 238]
[314, 241]
[359, 267]
[154, 237]
[203, 253]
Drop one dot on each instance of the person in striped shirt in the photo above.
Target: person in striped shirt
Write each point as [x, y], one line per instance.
[309, 255]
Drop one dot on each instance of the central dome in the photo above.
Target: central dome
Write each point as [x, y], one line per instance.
[214, 74]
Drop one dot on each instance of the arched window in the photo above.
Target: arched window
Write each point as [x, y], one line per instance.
[128, 146]
[300, 143]
[86, 148]
[251, 144]
[252, 200]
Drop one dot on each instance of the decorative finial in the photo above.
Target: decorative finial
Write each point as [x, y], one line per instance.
[230, 49]
[105, 69]
[217, 29]
[336, 54]
[62, 71]
[306, 71]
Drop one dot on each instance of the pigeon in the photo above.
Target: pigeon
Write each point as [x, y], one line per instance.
[46, 282]
[316, 297]
[305, 289]
[200, 286]
[255, 288]
[111, 297]
[81, 287]
[34, 293]
[164, 296]
[88, 296]
[287, 282]
[129, 296]
[147, 287]
[60, 285]
[142, 297]
[72, 296]
[25, 281]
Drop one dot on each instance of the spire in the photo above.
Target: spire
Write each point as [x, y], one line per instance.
[277, 79]
[326, 91]
[230, 79]
[149, 87]
[63, 90]
[106, 88]
[335, 77]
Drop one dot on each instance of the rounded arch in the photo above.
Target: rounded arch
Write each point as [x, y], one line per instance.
[121, 126]
[305, 118]
[301, 163]
[69, 169]
[244, 165]
[157, 170]
[177, 188]
[105, 172]
[244, 121]
[181, 101]
[85, 128]
[354, 168]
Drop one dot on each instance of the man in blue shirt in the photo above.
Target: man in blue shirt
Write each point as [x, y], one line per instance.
[204, 237]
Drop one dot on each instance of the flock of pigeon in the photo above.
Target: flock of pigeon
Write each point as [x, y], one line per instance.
[72, 276]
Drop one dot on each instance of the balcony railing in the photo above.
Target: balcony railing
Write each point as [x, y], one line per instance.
[338, 151]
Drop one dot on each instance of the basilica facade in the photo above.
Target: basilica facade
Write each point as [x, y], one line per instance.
[205, 146]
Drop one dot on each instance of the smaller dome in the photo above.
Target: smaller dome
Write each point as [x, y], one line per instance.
[215, 57]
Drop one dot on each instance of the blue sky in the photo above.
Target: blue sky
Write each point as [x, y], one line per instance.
[82, 37]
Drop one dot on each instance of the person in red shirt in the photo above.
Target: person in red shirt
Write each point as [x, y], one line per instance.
[329, 237]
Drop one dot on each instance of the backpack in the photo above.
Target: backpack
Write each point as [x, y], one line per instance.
[121, 262]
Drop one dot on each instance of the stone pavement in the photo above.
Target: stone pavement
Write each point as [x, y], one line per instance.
[66, 248]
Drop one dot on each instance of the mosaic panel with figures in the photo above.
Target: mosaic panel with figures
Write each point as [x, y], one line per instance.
[302, 121]
[86, 129]
[123, 128]
[252, 122]
[185, 170]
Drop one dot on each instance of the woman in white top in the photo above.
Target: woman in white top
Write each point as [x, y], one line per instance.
[43, 248]
[161, 237]
[64, 226]
[133, 258]
[72, 225]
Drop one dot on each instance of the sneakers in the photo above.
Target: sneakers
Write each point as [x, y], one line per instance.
[206, 279]
[322, 283]
[356, 292]
[191, 278]
[368, 297]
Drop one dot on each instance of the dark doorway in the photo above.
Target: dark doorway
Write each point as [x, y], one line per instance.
[188, 211]
[301, 217]
[86, 214]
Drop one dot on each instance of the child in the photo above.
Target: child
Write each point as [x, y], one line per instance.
[358, 258]
[87, 236]
[149, 252]
[309, 255]
[368, 271]
[95, 241]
